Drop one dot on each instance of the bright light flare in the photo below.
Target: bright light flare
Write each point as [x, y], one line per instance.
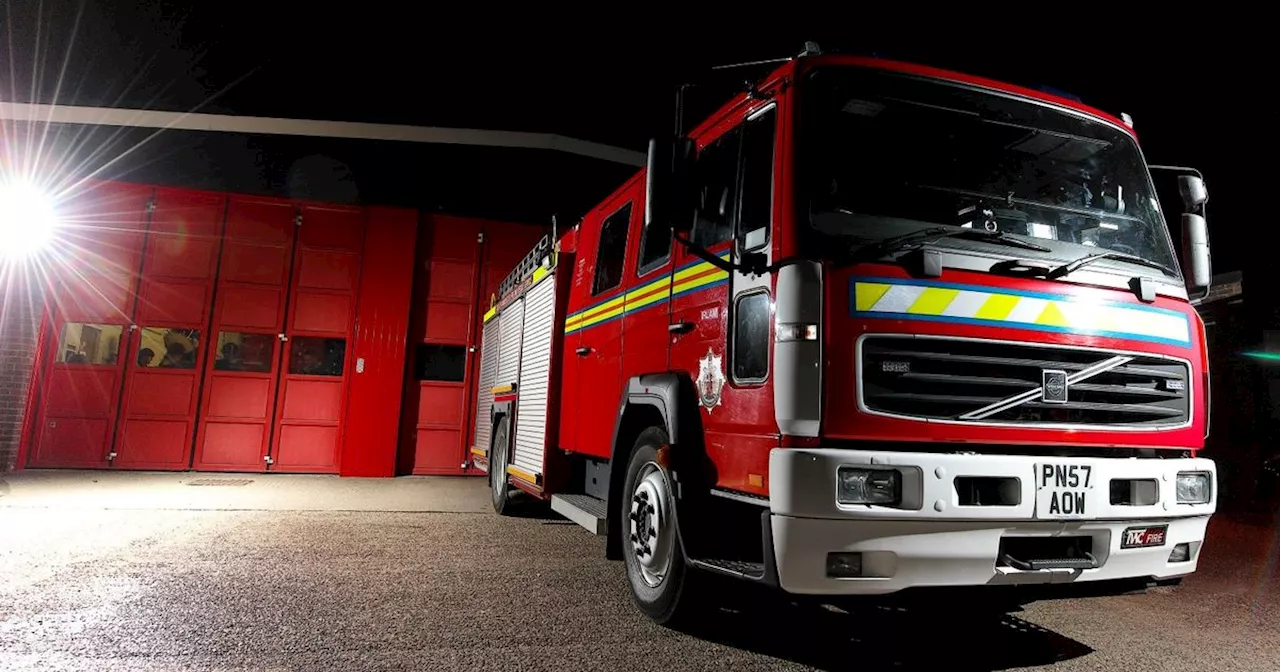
[28, 220]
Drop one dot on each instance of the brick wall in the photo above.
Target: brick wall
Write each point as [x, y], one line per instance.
[19, 322]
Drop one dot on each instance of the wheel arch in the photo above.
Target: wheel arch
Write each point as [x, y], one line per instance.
[662, 400]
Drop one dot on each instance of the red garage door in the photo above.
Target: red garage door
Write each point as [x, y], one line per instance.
[436, 398]
[321, 315]
[276, 380]
[456, 275]
[167, 343]
[94, 273]
[242, 370]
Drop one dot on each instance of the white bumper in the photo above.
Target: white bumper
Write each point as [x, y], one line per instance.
[931, 540]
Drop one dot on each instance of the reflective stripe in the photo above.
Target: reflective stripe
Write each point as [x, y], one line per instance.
[973, 304]
[697, 275]
[523, 475]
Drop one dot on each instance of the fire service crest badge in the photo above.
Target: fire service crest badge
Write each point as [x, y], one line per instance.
[710, 380]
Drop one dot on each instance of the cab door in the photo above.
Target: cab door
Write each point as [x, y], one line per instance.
[646, 319]
[596, 306]
[722, 322]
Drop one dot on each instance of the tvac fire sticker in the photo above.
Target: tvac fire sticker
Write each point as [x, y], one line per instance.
[710, 380]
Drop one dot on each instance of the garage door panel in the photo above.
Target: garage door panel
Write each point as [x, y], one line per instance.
[154, 444]
[451, 280]
[240, 397]
[181, 256]
[448, 321]
[72, 442]
[454, 237]
[261, 222]
[437, 451]
[230, 445]
[165, 301]
[95, 296]
[306, 448]
[326, 313]
[254, 263]
[161, 393]
[440, 404]
[82, 391]
[334, 229]
[312, 400]
[328, 270]
[251, 308]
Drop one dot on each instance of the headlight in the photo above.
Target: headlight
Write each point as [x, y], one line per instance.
[1193, 487]
[869, 486]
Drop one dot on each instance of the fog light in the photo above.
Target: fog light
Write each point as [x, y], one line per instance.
[1181, 553]
[869, 486]
[1193, 487]
[844, 565]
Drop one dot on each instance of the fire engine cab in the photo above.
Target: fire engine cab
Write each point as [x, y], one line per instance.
[872, 328]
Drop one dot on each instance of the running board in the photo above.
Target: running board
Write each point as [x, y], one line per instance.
[584, 510]
[738, 569]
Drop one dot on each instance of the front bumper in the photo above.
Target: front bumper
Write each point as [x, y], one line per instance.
[933, 541]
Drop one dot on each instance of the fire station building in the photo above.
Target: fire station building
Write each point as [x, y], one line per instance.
[250, 328]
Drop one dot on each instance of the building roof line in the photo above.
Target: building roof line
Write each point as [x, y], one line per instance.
[353, 130]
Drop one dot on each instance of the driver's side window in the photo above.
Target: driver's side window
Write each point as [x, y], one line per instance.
[714, 189]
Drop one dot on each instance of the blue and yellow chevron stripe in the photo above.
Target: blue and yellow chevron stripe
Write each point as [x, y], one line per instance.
[692, 277]
[991, 306]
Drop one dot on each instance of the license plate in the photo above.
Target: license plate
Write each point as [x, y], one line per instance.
[1142, 537]
[1065, 490]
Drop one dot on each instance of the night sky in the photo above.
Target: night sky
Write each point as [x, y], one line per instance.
[608, 84]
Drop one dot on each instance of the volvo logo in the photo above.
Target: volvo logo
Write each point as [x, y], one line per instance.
[1053, 386]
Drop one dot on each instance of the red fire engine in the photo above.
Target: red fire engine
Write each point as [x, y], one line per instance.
[869, 329]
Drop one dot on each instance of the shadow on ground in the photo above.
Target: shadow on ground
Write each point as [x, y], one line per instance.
[881, 638]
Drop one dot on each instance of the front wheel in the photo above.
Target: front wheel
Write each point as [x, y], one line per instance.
[655, 562]
[499, 490]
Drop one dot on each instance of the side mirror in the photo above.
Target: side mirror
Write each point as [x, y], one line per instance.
[667, 177]
[1194, 192]
[1195, 253]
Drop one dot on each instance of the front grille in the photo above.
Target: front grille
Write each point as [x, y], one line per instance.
[986, 381]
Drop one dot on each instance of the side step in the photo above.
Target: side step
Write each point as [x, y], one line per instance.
[584, 510]
[739, 569]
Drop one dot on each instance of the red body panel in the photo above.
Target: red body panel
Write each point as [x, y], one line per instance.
[599, 348]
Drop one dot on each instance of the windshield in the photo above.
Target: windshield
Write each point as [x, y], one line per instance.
[883, 155]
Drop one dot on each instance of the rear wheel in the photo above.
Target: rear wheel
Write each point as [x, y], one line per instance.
[656, 567]
[499, 490]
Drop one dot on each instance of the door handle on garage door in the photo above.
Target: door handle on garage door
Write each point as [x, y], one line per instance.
[681, 327]
[583, 352]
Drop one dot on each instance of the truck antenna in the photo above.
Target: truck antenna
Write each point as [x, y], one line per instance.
[810, 49]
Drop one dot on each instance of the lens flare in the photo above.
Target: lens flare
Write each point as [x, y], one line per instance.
[27, 220]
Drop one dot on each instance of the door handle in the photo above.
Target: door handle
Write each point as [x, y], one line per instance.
[681, 327]
[583, 352]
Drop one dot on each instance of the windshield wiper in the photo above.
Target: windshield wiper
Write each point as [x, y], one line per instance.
[1074, 264]
[1011, 200]
[891, 245]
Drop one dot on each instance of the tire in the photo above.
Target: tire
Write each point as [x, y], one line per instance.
[499, 490]
[656, 567]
